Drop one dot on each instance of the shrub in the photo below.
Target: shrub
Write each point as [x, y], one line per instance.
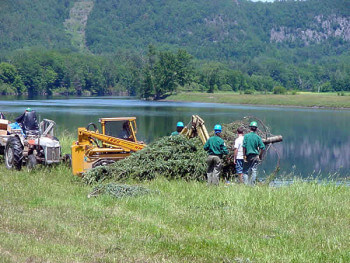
[249, 91]
[213, 89]
[225, 87]
[326, 87]
[279, 90]
[193, 86]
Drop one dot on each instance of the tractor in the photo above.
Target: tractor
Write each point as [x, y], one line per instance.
[27, 143]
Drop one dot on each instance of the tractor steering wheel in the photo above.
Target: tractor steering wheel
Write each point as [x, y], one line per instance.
[91, 124]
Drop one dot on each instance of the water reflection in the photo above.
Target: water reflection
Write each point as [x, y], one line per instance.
[314, 140]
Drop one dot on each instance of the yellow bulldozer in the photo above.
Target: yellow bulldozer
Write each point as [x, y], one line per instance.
[116, 141]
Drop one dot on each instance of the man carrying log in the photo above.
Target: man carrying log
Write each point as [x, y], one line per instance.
[253, 149]
[216, 148]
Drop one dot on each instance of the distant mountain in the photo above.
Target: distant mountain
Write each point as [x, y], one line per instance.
[227, 30]
[218, 29]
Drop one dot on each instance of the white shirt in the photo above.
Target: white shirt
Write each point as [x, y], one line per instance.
[239, 147]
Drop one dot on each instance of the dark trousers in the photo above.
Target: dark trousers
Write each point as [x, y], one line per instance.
[214, 169]
[250, 169]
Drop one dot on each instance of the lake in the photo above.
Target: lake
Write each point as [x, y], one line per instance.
[316, 141]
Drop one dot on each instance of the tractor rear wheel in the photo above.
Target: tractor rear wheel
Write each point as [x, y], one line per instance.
[14, 153]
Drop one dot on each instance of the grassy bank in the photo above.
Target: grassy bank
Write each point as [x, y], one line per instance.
[45, 215]
[328, 100]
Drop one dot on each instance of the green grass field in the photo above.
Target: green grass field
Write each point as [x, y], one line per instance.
[46, 216]
[328, 100]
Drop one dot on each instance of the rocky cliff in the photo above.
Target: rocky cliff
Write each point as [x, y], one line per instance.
[320, 30]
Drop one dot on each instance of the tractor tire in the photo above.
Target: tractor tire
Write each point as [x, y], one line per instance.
[14, 153]
[31, 162]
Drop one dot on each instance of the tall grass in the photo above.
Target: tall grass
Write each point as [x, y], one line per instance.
[46, 217]
[66, 140]
[302, 99]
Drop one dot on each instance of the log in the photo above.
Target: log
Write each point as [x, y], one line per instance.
[273, 139]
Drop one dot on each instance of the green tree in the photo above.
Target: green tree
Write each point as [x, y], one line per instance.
[164, 71]
[148, 84]
[165, 74]
[184, 67]
[9, 75]
[210, 75]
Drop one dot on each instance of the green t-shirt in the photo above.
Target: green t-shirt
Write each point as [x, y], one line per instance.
[215, 146]
[174, 133]
[253, 143]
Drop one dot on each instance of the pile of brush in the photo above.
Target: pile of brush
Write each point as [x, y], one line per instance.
[173, 157]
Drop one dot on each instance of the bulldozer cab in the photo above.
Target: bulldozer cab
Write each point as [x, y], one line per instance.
[123, 128]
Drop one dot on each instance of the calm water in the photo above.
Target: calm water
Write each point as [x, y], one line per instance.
[315, 141]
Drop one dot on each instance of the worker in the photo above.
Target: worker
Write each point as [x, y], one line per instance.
[253, 149]
[216, 148]
[238, 154]
[28, 122]
[124, 133]
[179, 128]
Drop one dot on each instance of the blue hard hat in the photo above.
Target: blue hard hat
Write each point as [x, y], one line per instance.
[180, 124]
[217, 128]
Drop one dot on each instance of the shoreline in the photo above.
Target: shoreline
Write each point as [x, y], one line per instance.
[273, 105]
[203, 100]
[200, 100]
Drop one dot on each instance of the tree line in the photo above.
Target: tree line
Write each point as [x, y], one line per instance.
[159, 73]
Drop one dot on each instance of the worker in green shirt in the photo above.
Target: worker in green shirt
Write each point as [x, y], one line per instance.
[253, 149]
[179, 127]
[216, 148]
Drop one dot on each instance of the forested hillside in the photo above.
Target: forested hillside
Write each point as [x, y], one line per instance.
[103, 46]
[220, 30]
[27, 23]
[224, 29]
